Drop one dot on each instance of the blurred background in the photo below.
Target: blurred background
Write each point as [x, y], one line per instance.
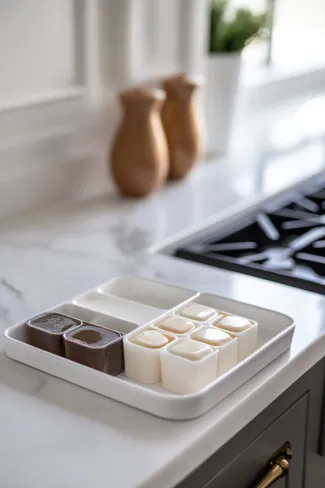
[298, 33]
[63, 62]
[37, 40]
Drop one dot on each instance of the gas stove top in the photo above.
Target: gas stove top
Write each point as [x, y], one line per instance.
[283, 242]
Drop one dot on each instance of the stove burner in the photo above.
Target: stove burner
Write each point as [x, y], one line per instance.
[285, 244]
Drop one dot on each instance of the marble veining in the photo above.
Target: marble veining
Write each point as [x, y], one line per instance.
[18, 294]
[50, 256]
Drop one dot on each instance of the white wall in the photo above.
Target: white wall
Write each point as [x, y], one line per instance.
[36, 47]
[168, 36]
[299, 33]
[62, 63]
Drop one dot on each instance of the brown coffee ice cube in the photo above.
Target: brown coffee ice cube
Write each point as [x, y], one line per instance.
[96, 347]
[46, 331]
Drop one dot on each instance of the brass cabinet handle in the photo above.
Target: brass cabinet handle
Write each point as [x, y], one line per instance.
[278, 467]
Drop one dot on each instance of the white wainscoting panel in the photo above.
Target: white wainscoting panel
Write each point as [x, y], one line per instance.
[163, 34]
[36, 47]
[63, 63]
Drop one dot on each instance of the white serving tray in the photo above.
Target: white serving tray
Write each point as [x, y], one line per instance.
[144, 301]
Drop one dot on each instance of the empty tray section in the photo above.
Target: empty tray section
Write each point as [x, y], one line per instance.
[118, 307]
[148, 292]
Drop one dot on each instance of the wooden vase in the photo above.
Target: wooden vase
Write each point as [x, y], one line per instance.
[139, 157]
[182, 125]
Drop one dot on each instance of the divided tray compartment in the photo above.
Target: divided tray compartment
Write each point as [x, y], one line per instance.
[133, 303]
[147, 292]
[132, 298]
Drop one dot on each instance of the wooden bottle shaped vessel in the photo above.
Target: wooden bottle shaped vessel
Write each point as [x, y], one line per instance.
[139, 157]
[181, 121]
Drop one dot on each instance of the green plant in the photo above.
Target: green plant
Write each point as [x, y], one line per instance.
[234, 34]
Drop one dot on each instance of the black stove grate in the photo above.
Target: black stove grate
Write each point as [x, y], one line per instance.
[285, 243]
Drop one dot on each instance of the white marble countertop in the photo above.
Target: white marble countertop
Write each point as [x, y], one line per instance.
[50, 256]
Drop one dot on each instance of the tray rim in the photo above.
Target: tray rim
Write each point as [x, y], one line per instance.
[174, 400]
[218, 380]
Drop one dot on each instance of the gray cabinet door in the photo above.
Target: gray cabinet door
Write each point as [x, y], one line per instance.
[287, 419]
[246, 469]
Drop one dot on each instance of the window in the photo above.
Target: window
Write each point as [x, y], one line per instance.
[257, 52]
[298, 34]
[292, 62]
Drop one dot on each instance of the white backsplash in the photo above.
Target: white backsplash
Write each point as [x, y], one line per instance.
[55, 136]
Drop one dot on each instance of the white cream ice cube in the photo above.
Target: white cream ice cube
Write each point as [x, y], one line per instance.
[142, 354]
[224, 343]
[177, 324]
[190, 349]
[151, 339]
[187, 366]
[234, 323]
[195, 311]
[244, 329]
